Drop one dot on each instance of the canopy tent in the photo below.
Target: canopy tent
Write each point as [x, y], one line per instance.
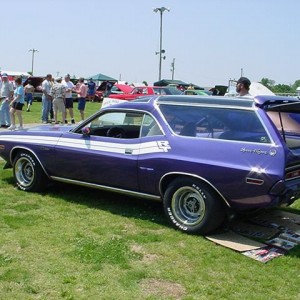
[165, 82]
[13, 74]
[101, 77]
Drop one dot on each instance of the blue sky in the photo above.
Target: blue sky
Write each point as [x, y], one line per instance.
[212, 41]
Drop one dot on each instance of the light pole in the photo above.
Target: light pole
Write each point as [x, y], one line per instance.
[173, 68]
[32, 61]
[161, 10]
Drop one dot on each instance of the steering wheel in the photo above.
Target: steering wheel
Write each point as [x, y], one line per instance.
[116, 132]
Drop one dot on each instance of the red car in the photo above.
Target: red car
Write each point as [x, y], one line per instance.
[116, 89]
[146, 90]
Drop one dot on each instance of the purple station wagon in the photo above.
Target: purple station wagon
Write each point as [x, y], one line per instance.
[204, 157]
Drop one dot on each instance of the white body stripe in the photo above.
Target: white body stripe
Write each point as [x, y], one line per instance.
[136, 148]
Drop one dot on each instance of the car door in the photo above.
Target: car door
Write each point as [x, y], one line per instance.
[101, 155]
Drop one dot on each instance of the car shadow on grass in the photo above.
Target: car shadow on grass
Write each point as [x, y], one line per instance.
[119, 204]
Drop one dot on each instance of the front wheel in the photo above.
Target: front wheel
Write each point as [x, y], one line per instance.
[28, 173]
[192, 206]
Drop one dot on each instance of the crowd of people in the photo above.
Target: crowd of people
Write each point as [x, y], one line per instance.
[12, 102]
[57, 98]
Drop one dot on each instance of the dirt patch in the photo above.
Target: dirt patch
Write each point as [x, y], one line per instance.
[162, 288]
[147, 257]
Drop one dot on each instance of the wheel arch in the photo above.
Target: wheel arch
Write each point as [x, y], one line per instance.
[169, 177]
[18, 149]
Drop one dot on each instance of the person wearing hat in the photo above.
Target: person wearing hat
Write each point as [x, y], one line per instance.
[58, 93]
[6, 94]
[243, 86]
[69, 98]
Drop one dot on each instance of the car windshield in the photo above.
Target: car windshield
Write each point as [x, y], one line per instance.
[221, 123]
[166, 91]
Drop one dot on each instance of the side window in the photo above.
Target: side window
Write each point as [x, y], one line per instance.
[126, 125]
[244, 126]
[215, 123]
[150, 127]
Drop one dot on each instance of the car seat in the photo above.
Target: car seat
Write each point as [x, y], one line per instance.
[189, 129]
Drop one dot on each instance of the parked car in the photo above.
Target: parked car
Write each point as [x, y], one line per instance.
[197, 92]
[116, 89]
[145, 91]
[37, 81]
[205, 158]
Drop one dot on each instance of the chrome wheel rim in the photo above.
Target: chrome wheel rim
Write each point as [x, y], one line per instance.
[24, 172]
[188, 206]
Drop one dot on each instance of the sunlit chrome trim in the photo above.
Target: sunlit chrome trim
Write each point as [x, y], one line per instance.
[106, 188]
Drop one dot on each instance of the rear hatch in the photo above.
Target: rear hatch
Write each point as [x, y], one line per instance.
[286, 117]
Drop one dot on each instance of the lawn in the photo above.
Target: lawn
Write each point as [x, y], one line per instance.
[34, 116]
[76, 243]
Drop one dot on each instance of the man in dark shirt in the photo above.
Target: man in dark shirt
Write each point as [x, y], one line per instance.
[91, 90]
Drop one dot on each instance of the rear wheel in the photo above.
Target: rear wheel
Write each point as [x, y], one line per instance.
[192, 206]
[28, 173]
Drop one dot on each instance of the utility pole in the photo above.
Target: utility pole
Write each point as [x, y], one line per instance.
[161, 10]
[32, 60]
[173, 68]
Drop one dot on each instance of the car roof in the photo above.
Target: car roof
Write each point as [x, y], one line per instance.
[205, 100]
[263, 102]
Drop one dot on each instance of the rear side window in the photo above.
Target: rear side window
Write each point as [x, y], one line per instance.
[216, 123]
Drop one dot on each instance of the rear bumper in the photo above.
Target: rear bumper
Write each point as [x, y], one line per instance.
[286, 192]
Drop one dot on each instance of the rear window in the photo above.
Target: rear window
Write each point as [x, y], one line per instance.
[289, 122]
[217, 123]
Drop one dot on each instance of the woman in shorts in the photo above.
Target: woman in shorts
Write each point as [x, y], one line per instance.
[17, 105]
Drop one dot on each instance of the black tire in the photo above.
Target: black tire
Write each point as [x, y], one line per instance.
[193, 207]
[28, 173]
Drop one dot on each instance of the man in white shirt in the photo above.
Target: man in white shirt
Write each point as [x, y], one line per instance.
[46, 98]
[69, 99]
[243, 86]
[6, 94]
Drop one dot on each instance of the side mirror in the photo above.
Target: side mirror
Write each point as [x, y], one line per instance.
[86, 130]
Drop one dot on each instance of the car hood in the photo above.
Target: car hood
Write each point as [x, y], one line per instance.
[50, 128]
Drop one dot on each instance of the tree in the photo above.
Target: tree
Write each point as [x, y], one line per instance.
[269, 83]
[282, 89]
[296, 85]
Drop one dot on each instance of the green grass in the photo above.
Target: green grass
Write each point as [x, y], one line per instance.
[34, 116]
[77, 243]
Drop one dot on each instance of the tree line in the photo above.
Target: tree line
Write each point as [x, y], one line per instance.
[280, 88]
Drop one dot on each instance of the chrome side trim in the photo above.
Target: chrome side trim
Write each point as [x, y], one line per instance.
[195, 176]
[297, 166]
[106, 188]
